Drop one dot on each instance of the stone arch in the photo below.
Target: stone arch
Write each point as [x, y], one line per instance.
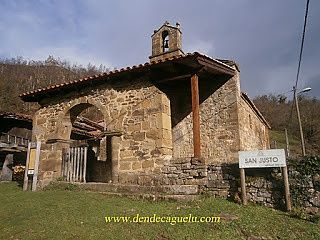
[73, 109]
[85, 102]
[98, 169]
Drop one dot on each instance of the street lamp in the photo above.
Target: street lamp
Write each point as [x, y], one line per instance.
[295, 93]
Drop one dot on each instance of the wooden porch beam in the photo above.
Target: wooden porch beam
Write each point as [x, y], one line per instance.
[195, 115]
[181, 77]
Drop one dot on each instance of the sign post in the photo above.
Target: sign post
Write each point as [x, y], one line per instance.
[264, 159]
[243, 186]
[286, 187]
[32, 165]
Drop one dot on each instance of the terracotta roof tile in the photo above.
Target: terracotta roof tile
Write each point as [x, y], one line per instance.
[16, 116]
[116, 71]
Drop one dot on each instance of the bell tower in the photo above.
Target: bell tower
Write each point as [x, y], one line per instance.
[166, 42]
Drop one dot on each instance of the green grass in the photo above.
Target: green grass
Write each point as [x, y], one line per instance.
[280, 138]
[61, 214]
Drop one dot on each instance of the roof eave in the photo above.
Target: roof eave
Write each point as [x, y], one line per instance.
[253, 106]
[210, 63]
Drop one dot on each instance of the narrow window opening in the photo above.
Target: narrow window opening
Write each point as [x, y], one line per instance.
[250, 121]
[165, 41]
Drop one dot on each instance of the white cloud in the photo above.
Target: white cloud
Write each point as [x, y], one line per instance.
[71, 54]
[201, 46]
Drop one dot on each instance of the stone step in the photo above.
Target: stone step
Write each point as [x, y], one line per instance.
[138, 189]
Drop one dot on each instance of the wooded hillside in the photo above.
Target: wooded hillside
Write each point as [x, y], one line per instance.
[18, 75]
[281, 113]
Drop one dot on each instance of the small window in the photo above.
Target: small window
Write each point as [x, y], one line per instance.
[250, 121]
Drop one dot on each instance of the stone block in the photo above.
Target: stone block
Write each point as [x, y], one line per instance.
[145, 125]
[186, 166]
[167, 134]
[138, 112]
[128, 178]
[166, 121]
[153, 134]
[6, 172]
[139, 136]
[126, 153]
[125, 166]
[145, 180]
[165, 151]
[146, 104]
[155, 152]
[147, 164]
[164, 143]
[223, 193]
[41, 121]
[136, 165]
[191, 181]
[183, 189]
[134, 127]
[166, 109]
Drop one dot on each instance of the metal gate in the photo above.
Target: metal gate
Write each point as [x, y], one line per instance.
[74, 164]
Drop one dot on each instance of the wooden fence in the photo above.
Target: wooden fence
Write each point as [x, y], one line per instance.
[12, 139]
[74, 164]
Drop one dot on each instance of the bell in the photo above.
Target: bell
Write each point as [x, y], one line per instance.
[166, 44]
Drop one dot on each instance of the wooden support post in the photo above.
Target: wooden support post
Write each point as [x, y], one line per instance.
[243, 186]
[63, 164]
[78, 163]
[85, 164]
[69, 164]
[81, 164]
[72, 164]
[286, 187]
[36, 167]
[66, 164]
[25, 180]
[195, 116]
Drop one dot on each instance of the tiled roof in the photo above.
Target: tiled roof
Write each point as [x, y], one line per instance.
[16, 116]
[141, 67]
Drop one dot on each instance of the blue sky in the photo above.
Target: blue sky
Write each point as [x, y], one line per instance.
[263, 37]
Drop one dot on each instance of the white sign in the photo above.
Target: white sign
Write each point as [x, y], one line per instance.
[30, 172]
[262, 158]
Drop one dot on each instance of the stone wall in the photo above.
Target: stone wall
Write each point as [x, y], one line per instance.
[264, 186]
[6, 162]
[139, 110]
[219, 125]
[254, 134]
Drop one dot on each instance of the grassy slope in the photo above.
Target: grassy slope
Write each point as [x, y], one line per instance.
[279, 137]
[80, 215]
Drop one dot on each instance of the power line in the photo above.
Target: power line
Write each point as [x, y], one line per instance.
[302, 42]
[300, 57]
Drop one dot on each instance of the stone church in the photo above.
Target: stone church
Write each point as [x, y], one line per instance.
[168, 124]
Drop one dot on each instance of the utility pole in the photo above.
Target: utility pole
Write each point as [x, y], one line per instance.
[299, 121]
[287, 142]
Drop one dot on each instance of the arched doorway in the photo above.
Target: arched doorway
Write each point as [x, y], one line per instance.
[88, 158]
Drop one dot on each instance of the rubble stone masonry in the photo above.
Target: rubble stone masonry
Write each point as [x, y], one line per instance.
[140, 111]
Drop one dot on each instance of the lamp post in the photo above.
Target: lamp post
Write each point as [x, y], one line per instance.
[299, 118]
